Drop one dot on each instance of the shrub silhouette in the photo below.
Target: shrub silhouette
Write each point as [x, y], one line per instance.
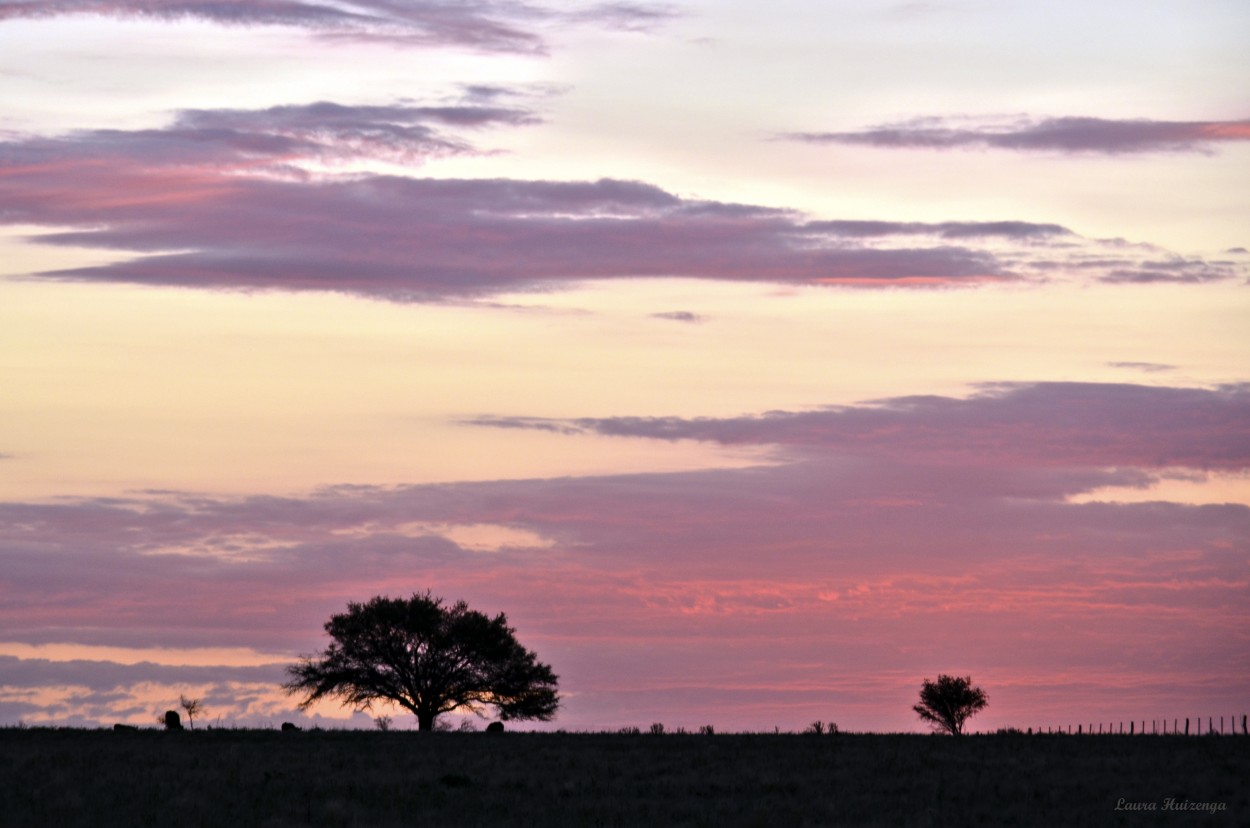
[949, 702]
[172, 720]
[193, 708]
[428, 658]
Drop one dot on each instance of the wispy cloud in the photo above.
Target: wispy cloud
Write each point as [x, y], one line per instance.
[485, 25]
[1042, 424]
[1151, 271]
[242, 199]
[950, 230]
[1149, 367]
[679, 316]
[1064, 135]
[232, 141]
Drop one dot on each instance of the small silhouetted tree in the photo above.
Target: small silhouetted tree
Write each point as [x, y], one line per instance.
[949, 702]
[429, 659]
[193, 708]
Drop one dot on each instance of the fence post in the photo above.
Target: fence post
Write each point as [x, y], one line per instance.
[1186, 725]
[1243, 725]
[1131, 725]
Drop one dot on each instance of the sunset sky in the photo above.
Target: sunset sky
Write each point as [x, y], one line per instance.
[759, 360]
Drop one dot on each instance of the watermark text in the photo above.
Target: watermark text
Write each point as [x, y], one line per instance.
[1170, 804]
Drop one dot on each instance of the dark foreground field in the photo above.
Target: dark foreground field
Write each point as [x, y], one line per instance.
[270, 778]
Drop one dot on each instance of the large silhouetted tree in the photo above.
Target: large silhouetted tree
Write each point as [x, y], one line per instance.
[949, 702]
[429, 659]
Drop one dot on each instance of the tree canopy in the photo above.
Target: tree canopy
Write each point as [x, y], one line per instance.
[428, 658]
[949, 702]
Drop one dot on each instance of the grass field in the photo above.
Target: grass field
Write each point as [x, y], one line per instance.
[63, 777]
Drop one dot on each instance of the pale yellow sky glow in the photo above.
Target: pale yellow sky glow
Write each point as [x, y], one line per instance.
[122, 388]
[190, 657]
[1214, 489]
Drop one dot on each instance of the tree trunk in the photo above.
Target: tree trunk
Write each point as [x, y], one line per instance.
[425, 721]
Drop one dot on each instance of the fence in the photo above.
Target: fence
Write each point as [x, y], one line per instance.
[1158, 727]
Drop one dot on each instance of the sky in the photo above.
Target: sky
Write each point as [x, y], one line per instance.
[759, 361]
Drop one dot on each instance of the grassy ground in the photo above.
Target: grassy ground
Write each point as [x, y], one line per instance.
[345, 778]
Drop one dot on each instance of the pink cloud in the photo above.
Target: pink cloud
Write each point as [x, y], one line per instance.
[815, 588]
[1067, 135]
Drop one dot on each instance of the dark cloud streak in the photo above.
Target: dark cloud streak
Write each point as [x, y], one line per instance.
[1065, 135]
[680, 316]
[1047, 424]
[102, 675]
[1015, 230]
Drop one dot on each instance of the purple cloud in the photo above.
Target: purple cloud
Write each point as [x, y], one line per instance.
[335, 121]
[103, 676]
[487, 25]
[226, 188]
[1115, 261]
[1044, 424]
[679, 316]
[232, 141]
[1175, 270]
[1013, 230]
[233, 193]
[1068, 135]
